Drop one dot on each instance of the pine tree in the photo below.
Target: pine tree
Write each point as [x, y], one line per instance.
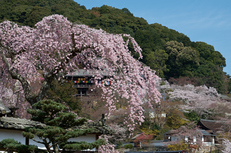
[61, 125]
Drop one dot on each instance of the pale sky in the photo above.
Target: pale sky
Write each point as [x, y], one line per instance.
[201, 20]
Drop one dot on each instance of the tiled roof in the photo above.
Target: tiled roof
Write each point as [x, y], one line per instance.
[84, 73]
[142, 137]
[171, 132]
[18, 123]
[206, 133]
[213, 125]
[21, 124]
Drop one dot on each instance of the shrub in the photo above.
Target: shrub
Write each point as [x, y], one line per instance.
[11, 144]
[128, 146]
[119, 144]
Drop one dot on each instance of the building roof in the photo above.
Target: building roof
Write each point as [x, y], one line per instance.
[4, 109]
[142, 136]
[170, 132]
[213, 125]
[206, 133]
[86, 73]
[206, 127]
[18, 123]
[225, 97]
[21, 124]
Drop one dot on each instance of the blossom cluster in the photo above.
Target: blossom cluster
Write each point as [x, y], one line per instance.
[56, 47]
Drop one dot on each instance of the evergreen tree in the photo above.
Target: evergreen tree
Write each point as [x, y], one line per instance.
[60, 125]
[11, 145]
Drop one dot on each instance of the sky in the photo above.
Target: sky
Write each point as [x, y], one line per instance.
[201, 20]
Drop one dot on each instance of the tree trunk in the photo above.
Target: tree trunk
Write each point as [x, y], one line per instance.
[55, 149]
[10, 151]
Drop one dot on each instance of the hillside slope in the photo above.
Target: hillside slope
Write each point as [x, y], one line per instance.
[172, 54]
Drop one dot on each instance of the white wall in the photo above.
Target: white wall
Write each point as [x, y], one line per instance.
[12, 134]
[31, 142]
[88, 138]
[17, 135]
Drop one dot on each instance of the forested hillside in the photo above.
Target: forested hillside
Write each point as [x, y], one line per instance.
[167, 51]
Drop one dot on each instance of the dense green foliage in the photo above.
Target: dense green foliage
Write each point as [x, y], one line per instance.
[60, 126]
[128, 146]
[29, 12]
[192, 116]
[13, 145]
[63, 92]
[192, 59]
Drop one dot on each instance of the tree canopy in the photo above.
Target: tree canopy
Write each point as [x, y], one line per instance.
[60, 127]
[56, 46]
[207, 67]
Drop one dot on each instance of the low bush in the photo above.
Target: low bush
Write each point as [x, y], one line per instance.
[128, 146]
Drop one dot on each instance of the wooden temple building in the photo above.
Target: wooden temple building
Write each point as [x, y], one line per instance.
[84, 79]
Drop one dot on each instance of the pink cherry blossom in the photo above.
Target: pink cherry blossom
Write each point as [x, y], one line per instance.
[227, 146]
[56, 47]
[108, 147]
[197, 98]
